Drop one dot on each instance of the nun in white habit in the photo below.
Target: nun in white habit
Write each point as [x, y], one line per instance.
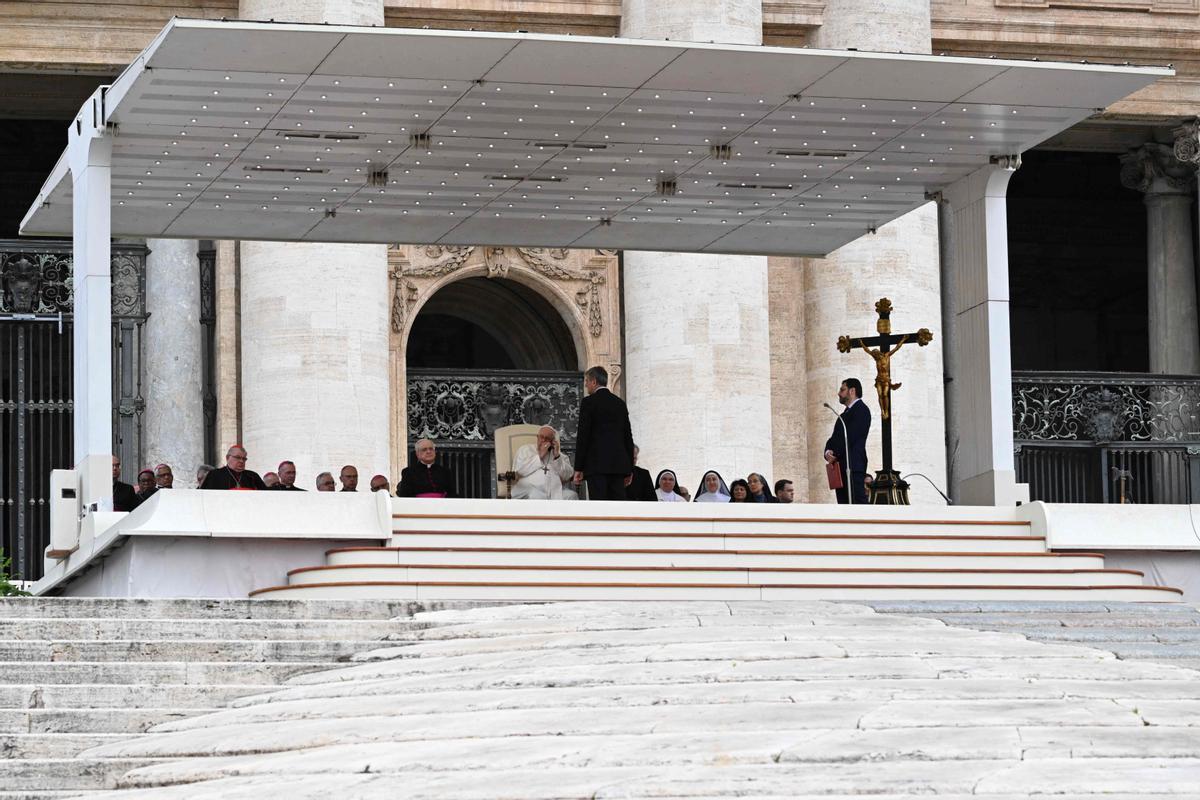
[545, 472]
[712, 489]
[666, 488]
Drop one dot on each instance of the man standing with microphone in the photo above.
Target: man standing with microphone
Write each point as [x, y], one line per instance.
[857, 421]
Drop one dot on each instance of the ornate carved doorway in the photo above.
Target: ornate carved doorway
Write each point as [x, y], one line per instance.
[488, 337]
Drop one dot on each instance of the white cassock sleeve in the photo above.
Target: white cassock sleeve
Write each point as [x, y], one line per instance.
[527, 461]
[566, 474]
[565, 470]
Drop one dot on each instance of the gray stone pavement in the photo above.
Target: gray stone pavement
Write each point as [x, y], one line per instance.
[1163, 633]
[700, 699]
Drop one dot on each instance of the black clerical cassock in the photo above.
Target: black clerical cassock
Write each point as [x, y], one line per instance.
[124, 498]
[420, 480]
[225, 478]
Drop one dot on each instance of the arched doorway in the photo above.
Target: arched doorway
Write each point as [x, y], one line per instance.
[483, 353]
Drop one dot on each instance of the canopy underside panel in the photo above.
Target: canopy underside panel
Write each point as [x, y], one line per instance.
[245, 130]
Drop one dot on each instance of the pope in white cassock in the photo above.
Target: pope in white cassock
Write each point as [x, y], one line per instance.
[545, 473]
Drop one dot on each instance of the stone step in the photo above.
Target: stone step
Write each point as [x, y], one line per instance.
[966, 575]
[903, 541]
[61, 774]
[204, 609]
[182, 650]
[136, 695]
[156, 672]
[1105, 634]
[53, 745]
[90, 720]
[633, 591]
[661, 524]
[1020, 609]
[106, 630]
[1070, 620]
[705, 558]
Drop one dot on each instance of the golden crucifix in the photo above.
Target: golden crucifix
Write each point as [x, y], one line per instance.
[887, 345]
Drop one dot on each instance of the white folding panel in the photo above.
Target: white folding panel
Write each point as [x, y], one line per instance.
[334, 133]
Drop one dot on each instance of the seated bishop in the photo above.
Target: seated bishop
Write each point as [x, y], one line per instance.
[544, 472]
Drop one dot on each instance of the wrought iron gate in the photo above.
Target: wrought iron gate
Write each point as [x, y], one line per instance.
[459, 410]
[36, 382]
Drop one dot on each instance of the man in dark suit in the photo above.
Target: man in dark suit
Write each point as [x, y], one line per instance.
[426, 478]
[857, 419]
[641, 485]
[124, 498]
[604, 445]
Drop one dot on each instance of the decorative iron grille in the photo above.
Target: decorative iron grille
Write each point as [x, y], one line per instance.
[469, 405]
[1107, 436]
[36, 373]
[461, 410]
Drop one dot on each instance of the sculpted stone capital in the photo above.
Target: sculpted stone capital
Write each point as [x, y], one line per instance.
[1154, 169]
[1187, 142]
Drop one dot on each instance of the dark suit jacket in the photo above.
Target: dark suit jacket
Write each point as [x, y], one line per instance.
[604, 445]
[420, 479]
[124, 498]
[858, 423]
[642, 487]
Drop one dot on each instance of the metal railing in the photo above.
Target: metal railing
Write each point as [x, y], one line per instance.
[1107, 437]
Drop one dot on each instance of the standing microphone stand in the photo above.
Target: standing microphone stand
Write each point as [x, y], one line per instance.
[846, 439]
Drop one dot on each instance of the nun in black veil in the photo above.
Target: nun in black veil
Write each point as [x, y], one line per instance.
[666, 488]
[712, 489]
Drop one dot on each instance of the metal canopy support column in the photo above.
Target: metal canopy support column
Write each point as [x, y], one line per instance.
[985, 472]
[89, 156]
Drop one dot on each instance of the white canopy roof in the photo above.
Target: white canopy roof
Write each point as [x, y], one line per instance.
[250, 130]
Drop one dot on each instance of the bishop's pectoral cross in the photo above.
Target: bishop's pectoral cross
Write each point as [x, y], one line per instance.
[887, 344]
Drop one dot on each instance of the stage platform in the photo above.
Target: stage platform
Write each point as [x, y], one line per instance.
[269, 545]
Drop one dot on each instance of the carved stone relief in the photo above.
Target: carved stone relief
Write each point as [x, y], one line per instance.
[1187, 143]
[558, 265]
[1154, 169]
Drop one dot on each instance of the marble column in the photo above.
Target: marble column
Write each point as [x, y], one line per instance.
[1169, 185]
[899, 262]
[697, 351]
[173, 424]
[314, 326]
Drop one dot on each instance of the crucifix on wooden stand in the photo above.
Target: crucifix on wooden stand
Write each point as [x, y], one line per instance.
[887, 488]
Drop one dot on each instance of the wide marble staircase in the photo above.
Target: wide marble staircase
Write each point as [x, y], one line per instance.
[509, 550]
[77, 673]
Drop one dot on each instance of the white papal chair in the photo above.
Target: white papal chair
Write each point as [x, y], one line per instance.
[509, 440]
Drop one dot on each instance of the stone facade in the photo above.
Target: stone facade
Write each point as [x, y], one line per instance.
[806, 303]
